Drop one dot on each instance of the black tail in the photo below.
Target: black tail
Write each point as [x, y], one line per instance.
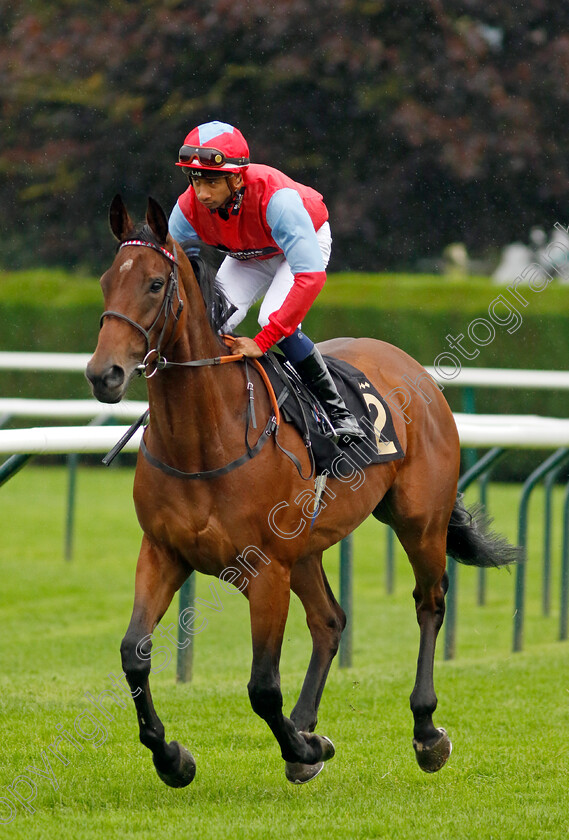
[470, 540]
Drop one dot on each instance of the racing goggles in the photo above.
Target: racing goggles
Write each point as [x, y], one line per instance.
[207, 156]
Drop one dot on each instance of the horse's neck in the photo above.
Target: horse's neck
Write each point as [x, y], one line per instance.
[196, 412]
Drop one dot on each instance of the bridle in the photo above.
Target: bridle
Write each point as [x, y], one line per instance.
[166, 308]
[172, 289]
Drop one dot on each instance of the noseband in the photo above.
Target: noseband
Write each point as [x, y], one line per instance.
[166, 307]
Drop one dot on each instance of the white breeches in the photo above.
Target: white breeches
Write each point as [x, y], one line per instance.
[245, 281]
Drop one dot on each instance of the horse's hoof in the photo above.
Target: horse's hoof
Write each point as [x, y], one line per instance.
[298, 774]
[184, 771]
[326, 746]
[431, 759]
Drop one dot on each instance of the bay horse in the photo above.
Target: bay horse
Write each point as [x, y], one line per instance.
[204, 497]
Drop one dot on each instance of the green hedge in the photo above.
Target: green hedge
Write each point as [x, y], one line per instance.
[53, 311]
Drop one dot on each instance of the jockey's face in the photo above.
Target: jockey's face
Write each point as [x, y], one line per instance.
[215, 192]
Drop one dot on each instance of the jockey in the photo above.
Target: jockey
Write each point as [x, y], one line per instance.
[277, 239]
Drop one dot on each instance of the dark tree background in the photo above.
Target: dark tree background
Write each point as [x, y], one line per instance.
[421, 121]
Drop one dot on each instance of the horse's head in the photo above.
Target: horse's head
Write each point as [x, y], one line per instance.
[141, 298]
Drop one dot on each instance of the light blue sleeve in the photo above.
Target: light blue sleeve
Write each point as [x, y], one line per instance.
[180, 228]
[293, 231]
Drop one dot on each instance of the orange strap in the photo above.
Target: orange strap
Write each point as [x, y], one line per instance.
[268, 385]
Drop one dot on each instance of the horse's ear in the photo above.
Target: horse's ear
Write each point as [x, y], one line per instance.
[119, 219]
[157, 220]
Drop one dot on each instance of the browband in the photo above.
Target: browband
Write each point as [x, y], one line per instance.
[163, 251]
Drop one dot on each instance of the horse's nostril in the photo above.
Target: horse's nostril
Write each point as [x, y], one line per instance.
[108, 379]
[113, 376]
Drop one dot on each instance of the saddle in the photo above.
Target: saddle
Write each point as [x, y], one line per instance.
[300, 407]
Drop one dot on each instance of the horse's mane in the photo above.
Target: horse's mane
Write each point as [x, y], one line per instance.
[205, 261]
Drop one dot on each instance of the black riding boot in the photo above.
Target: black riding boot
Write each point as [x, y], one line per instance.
[316, 376]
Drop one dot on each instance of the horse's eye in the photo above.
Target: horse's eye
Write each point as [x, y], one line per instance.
[156, 285]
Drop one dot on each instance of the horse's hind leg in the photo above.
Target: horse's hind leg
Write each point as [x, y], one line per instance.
[158, 577]
[428, 558]
[326, 620]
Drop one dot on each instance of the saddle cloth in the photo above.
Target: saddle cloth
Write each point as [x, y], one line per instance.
[302, 409]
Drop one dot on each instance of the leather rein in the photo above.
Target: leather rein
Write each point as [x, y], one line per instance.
[161, 363]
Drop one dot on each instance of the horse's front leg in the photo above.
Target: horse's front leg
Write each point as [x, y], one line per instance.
[158, 576]
[269, 596]
[326, 620]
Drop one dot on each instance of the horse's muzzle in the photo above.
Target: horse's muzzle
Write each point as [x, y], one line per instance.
[109, 384]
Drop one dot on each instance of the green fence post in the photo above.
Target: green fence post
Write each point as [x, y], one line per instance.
[11, 466]
[185, 662]
[549, 485]
[451, 597]
[346, 597]
[469, 407]
[14, 463]
[72, 467]
[72, 461]
[481, 593]
[564, 595]
[450, 609]
[519, 606]
[390, 561]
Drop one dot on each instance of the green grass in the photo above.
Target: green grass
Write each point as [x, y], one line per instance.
[61, 629]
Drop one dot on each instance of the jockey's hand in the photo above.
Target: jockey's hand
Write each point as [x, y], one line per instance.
[247, 347]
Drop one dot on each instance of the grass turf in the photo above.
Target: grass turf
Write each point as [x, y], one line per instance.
[62, 625]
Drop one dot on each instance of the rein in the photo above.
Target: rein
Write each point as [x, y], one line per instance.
[161, 363]
[271, 426]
